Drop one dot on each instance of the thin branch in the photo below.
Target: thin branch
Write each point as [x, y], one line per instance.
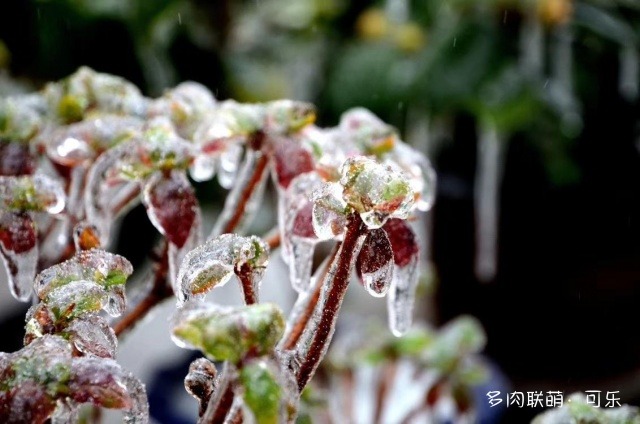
[245, 275]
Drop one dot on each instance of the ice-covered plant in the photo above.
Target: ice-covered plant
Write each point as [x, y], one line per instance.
[88, 148]
[69, 353]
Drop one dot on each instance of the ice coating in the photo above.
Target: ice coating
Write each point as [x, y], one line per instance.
[228, 164]
[18, 245]
[87, 91]
[329, 210]
[106, 270]
[92, 335]
[105, 196]
[75, 299]
[186, 104]
[295, 222]
[214, 263]
[21, 117]
[45, 372]
[268, 390]
[375, 191]
[243, 200]
[371, 135]
[37, 193]
[288, 116]
[201, 382]
[375, 263]
[228, 334]
[80, 143]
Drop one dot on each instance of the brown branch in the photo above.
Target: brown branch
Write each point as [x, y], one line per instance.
[255, 143]
[220, 404]
[272, 238]
[330, 301]
[160, 291]
[296, 330]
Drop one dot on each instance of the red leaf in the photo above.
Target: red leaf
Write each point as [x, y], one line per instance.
[93, 380]
[291, 160]
[171, 204]
[303, 222]
[15, 159]
[375, 253]
[17, 232]
[403, 241]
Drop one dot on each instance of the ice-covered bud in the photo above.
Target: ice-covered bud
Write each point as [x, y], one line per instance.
[45, 372]
[200, 382]
[86, 236]
[288, 116]
[229, 334]
[216, 261]
[38, 193]
[418, 169]
[21, 117]
[88, 91]
[186, 105]
[370, 133]
[96, 273]
[375, 191]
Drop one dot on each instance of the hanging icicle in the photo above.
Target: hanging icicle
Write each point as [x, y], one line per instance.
[489, 170]
[531, 58]
[629, 72]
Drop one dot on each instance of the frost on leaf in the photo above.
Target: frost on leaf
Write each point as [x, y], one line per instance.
[376, 192]
[229, 334]
[375, 263]
[99, 272]
[45, 372]
[401, 297]
[215, 262]
[171, 205]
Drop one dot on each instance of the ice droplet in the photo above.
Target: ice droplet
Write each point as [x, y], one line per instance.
[18, 245]
[203, 168]
[375, 263]
[228, 164]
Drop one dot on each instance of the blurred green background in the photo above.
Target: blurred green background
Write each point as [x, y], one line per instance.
[528, 109]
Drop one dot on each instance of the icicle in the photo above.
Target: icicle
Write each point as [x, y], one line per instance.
[562, 56]
[531, 59]
[301, 262]
[18, 245]
[401, 297]
[487, 200]
[629, 72]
